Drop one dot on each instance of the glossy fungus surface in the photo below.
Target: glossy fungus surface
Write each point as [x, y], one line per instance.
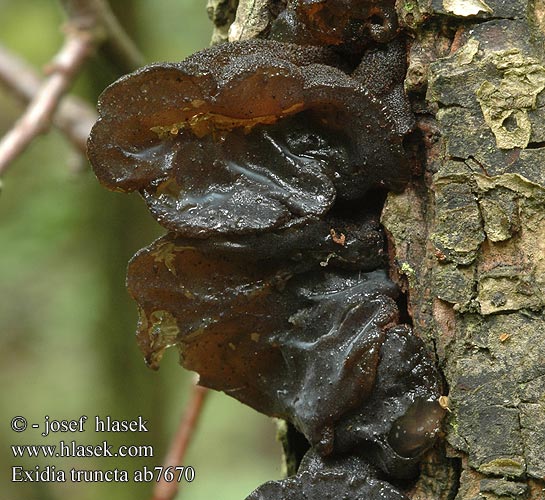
[263, 159]
[245, 138]
[284, 336]
[402, 417]
[348, 24]
[347, 478]
[292, 335]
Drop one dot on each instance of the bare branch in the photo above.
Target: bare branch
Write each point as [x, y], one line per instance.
[97, 15]
[74, 117]
[37, 118]
[91, 24]
[167, 490]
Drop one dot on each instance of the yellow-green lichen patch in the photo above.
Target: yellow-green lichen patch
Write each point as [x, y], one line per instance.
[532, 419]
[514, 182]
[503, 466]
[513, 275]
[507, 289]
[408, 271]
[500, 212]
[466, 54]
[505, 106]
[454, 284]
[458, 231]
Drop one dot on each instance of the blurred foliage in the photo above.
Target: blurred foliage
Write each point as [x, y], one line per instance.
[66, 322]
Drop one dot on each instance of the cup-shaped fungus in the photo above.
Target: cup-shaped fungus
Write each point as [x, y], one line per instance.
[286, 337]
[347, 24]
[243, 138]
[259, 157]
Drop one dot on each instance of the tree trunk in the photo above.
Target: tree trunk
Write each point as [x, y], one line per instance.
[467, 237]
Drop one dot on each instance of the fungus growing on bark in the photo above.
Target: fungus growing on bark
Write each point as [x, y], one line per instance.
[350, 478]
[348, 24]
[290, 339]
[258, 157]
[243, 138]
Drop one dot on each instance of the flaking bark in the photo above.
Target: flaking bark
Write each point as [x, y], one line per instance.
[471, 232]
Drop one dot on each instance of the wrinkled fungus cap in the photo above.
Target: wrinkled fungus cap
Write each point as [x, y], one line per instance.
[243, 138]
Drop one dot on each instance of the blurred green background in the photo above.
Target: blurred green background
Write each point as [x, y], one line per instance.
[66, 322]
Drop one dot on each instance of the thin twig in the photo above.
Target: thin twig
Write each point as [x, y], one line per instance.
[37, 117]
[74, 117]
[91, 24]
[167, 490]
[116, 43]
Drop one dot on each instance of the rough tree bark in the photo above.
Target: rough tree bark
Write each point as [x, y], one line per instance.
[467, 237]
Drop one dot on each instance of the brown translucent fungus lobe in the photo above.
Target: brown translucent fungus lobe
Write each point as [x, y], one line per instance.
[348, 24]
[280, 337]
[258, 157]
[347, 478]
[417, 428]
[332, 350]
[245, 137]
[402, 417]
